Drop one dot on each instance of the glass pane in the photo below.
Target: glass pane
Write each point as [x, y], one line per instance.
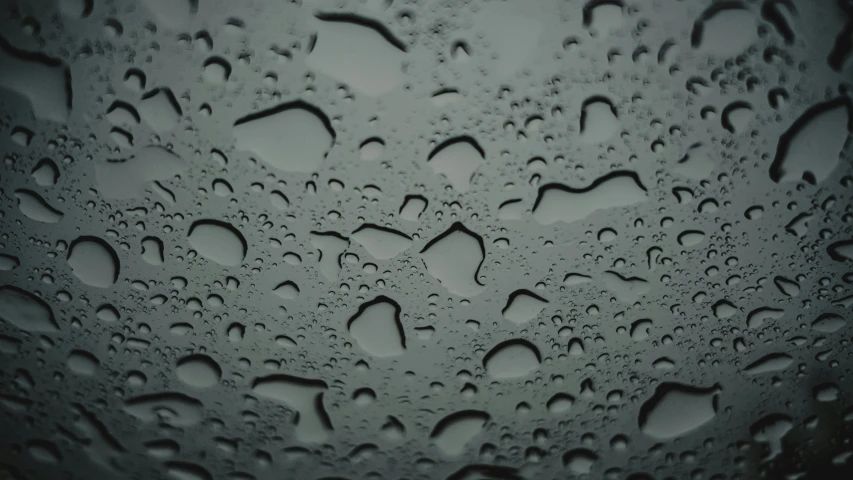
[425, 239]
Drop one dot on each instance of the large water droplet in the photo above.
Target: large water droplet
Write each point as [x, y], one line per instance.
[36, 208]
[598, 120]
[457, 159]
[303, 395]
[769, 363]
[128, 178]
[523, 306]
[45, 82]
[94, 262]
[454, 259]
[160, 110]
[512, 359]
[625, 289]
[26, 311]
[725, 29]
[292, 137]
[198, 371]
[675, 410]
[84, 363]
[811, 148]
[331, 246]
[381, 243]
[454, 431]
[579, 461]
[359, 52]
[560, 203]
[218, 241]
[377, 329]
[174, 408]
[174, 14]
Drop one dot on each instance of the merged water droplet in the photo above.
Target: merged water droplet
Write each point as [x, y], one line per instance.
[303, 395]
[560, 203]
[36, 208]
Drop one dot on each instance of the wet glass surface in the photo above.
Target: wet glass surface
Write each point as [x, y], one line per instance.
[422, 239]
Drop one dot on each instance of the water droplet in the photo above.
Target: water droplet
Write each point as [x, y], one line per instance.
[26, 311]
[625, 289]
[45, 173]
[381, 243]
[36, 208]
[45, 82]
[376, 328]
[174, 408]
[675, 410]
[828, 323]
[173, 14]
[811, 148]
[359, 52]
[689, 238]
[82, 363]
[579, 461]
[331, 246]
[218, 241]
[371, 149]
[413, 207]
[457, 159]
[598, 120]
[512, 359]
[128, 178]
[216, 71]
[292, 137]
[160, 110]
[725, 29]
[560, 203]
[454, 258]
[94, 262]
[287, 290]
[523, 306]
[453, 432]
[769, 363]
[198, 371]
[303, 395]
